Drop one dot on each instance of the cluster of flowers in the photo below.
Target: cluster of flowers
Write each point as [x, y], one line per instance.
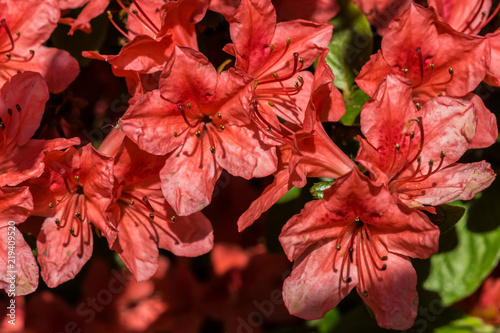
[145, 185]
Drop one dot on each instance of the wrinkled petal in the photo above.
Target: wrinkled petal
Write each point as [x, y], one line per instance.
[243, 157]
[486, 129]
[314, 287]
[15, 204]
[464, 16]
[61, 255]
[392, 294]
[17, 263]
[456, 182]
[381, 12]
[188, 178]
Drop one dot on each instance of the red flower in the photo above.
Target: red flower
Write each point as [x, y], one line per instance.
[407, 149]
[23, 102]
[143, 218]
[431, 54]
[74, 191]
[26, 25]
[358, 236]
[16, 204]
[274, 55]
[201, 119]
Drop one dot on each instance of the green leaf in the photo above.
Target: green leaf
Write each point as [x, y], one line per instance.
[469, 252]
[327, 323]
[292, 194]
[318, 188]
[466, 325]
[351, 45]
[353, 105]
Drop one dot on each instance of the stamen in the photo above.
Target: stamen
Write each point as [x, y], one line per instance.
[146, 16]
[110, 17]
[7, 30]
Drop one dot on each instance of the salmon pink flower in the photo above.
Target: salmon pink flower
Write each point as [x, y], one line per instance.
[16, 204]
[274, 54]
[358, 236]
[409, 150]
[430, 53]
[143, 219]
[24, 26]
[22, 103]
[74, 191]
[201, 119]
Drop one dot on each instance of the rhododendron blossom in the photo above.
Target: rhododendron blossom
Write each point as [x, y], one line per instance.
[143, 219]
[22, 102]
[74, 191]
[358, 236]
[201, 119]
[24, 26]
[408, 149]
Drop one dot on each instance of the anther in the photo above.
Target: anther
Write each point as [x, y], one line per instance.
[275, 75]
[271, 47]
[431, 66]
[296, 85]
[301, 80]
[419, 159]
[301, 60]
[412, 134]
[9, 111]
[78, 215]
[173, 219]
[431, 163]
[397, 147]
[384, 267]
[270, 103]
[405, 70]
[77, 178]
[338, 247]
[384, 258]
[135, 12]
[72, 231]
[151, 216]
[222, 127]
[440, 94]
[418, 106]
[219, 115]
[58, 222]
[51, 205]
[18, 108]
[132, 202]
[365, 293]
[58, 200]
[2, 125]
[450, 70]
[175, 134]
[197, 133]
[268, 129]
[443, 153]
[349, 280]
[212, 150]
[8, 55]
[288, 41]
[188, 105]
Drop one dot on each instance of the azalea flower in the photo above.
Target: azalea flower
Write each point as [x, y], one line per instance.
[201, 119]
[74, 191]
[23, 100]
[431, 57]
[274, 54]
[16, 204]
[312, 153]
[358, 236]
[26, 25]
[407, 149]
[143, 219]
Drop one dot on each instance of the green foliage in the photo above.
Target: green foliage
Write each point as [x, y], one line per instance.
[466, 325]
[353, 104]
[469, 252]
[351, 45]
[318, 188]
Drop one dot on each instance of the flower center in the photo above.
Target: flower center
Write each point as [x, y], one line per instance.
[8, 55]
[363, 251]
[407, 168]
